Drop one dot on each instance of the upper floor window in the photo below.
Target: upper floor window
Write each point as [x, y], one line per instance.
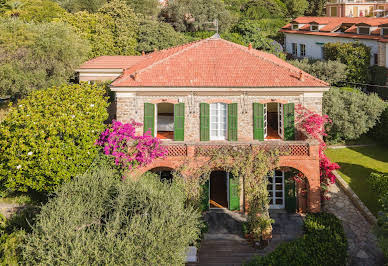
[218, 121]
[314, 28]
[302, 50]
[295, 26]
[363, 30]
[294, 49]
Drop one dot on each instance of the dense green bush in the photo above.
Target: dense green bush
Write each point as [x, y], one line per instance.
[332, 72]
[380, 131]
[354, 55]
[258, 9]
[324, 243]
[37, 55]
[99, 219]
[378, 75]
[352, 113]
[48, 138]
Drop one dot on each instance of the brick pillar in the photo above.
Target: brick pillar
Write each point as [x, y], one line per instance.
[313, 176]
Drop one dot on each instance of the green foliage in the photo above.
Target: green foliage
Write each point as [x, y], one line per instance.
[159, 35]
[81, 5]
[97, 28]
[49, 137]
[10, 247]
[332, 72]
[316, 8]
[355, 55]
[296, 8]
[324, 243]
[379, 184]
[352, 113]
[32, 10]
[378, 75]
[148, 8]
[35, 56]
[380, 131]
[125, 26]
[195, 15]
[259, 9]
[99, 219]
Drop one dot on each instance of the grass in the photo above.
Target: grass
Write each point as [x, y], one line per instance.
[356, 165]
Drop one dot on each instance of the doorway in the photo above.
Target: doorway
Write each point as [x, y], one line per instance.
[273, 121]
[165, 121]
[218, 189]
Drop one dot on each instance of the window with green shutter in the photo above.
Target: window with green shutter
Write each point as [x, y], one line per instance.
[204, 121]
[258, 121]
[149, 118]
[179, 122]
[289, 121]
[234, 193]
[232, 122]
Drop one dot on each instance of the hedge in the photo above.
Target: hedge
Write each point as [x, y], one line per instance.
[324, 243]
[380, 131]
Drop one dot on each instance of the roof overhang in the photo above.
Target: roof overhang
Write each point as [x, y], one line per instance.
[99, 70]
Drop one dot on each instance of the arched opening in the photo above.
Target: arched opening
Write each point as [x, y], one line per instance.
[165, 121]
[273, 121]
[164, 173]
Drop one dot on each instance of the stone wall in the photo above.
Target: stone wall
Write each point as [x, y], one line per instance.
[132, 108]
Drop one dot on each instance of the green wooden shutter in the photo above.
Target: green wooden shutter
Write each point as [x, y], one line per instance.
[258, 121]
[179, 122]
[232, 122]
[204, 121]
[290, 194]
[205, 196]
[149, 118]
[289, 122]
[234, 193]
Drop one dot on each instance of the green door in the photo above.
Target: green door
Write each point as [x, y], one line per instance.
[234, 193]
[205, 196]
[258, 121]
[149, 118]
[290, 194]
[179, 122]
[289, 121]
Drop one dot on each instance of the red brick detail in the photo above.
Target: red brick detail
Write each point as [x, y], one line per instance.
[164, 100]
[219, 101]
[273, 101]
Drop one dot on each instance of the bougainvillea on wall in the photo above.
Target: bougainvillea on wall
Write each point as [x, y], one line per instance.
[314, 125]
[128, 149]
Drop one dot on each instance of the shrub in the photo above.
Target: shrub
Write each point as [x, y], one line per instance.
[332, 72]
[352, 113]
[48, 138]
[324, 243]
[354, 55]
[99, 219]
[380, 131]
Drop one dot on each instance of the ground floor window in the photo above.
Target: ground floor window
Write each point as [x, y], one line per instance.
[294, 49]
[302, 50]
[165, 174]
[276, 189]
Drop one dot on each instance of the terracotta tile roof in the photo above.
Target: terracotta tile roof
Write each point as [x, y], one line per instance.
[110, 62]
[305, 27]
[214, 62]
[352, 29]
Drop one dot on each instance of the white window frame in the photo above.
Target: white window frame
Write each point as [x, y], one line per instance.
[302, 51]
[280, 120]
[311, 27]
[294, 51]
[218, 122]
[274, 190]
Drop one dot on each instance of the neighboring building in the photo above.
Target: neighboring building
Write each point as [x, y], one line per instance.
[214, 93]
[305, 36]
[356, 8]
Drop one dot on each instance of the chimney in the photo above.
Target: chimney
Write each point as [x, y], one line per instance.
[301, 76]
[143, 53]
[250, 46]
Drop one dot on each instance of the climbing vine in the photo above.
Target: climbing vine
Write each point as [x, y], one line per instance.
[250, 165]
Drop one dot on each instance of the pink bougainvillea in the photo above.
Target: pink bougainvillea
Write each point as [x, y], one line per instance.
[314, 125]
[128, 149]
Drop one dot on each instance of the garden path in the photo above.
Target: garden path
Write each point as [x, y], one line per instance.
[362, 242]
[7, 209]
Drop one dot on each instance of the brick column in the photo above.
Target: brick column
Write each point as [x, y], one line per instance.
[314, 191]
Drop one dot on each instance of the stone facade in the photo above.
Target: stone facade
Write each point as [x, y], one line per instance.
[132, 108]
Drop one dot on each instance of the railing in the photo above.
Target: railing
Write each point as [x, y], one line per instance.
[291, 148]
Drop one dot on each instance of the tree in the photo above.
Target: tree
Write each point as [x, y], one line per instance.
[296, 8]
[333, 72]
[159, 35]
[33, 10]
[99, 219]
[355, 55]
[125, 26]
[148, 8]
[316, 8]
[196, 15]
[35, 56]
[258, 9]
[82, 5]
[97, 28]
[380, 131]
[352, 113]
[48, 138]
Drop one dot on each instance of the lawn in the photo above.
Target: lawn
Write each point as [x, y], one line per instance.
[356, 166]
